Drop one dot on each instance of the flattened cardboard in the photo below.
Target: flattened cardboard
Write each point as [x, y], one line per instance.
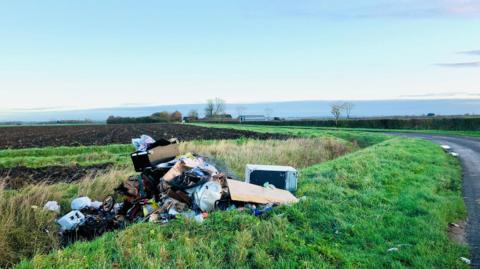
[162, 153]
[249, 193]
[175, 171]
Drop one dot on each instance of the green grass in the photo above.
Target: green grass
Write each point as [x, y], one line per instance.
[340, 132]
[362, 138]
[65, 156]
[399, 193]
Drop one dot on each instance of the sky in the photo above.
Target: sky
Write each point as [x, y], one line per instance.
[59, 54]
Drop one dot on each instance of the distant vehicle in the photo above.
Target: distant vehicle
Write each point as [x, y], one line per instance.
[247, 118]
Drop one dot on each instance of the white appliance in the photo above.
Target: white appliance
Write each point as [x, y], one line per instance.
[282, 177]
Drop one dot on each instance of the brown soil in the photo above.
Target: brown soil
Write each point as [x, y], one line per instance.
[76, 135]
[18, 177]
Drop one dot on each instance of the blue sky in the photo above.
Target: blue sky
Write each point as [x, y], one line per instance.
[84, 54]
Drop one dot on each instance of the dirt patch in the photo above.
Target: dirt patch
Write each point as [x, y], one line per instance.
[456, 232]
[76, 135]
[18, 177]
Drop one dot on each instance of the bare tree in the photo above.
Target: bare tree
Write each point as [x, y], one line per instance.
[193, 114]
[209, 109]
[348, 107]
[336, 110]
[215, 108]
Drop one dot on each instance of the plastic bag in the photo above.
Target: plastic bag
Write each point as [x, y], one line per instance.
[52, 206]
[81, 203]
[207, 195]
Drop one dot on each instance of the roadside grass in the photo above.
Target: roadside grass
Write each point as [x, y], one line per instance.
[20, 223]
[401, 193]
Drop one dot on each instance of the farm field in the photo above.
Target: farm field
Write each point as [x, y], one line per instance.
[337, 131]
[365, 193]
[85, 135]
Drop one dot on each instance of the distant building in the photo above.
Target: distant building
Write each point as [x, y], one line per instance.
[247, 118]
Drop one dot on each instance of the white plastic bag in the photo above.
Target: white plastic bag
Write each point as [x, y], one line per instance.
[141, 144]
[81, 203]
[207, 195]
[52, 206]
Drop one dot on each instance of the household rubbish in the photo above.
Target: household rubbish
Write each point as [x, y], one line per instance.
[155, 153]
[71, 220]
[171, 185]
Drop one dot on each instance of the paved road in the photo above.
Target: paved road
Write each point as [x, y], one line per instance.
[469, 151]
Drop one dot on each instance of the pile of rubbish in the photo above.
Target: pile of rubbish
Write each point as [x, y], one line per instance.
[169, 186]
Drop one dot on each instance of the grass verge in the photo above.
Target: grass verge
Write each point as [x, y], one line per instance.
[19, 222]
[401, 193]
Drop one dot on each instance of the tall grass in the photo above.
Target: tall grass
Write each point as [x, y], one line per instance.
[26, 230]
[298, 153]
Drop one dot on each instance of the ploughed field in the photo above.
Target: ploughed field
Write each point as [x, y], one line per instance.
[78, 135]
[51, 154]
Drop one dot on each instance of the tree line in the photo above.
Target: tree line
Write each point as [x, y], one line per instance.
[159, 117]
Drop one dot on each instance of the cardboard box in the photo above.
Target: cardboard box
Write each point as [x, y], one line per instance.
[158, 152]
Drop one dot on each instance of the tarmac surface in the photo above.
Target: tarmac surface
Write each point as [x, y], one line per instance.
[469, 155]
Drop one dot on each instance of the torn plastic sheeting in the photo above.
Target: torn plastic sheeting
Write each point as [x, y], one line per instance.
[246, 192]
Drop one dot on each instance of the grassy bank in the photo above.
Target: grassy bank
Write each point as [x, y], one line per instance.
[401, 193]
[20, 222]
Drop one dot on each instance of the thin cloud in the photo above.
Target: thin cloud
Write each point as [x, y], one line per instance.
[403, 9]
[460, 65]
[471, 52]
[442, 95]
